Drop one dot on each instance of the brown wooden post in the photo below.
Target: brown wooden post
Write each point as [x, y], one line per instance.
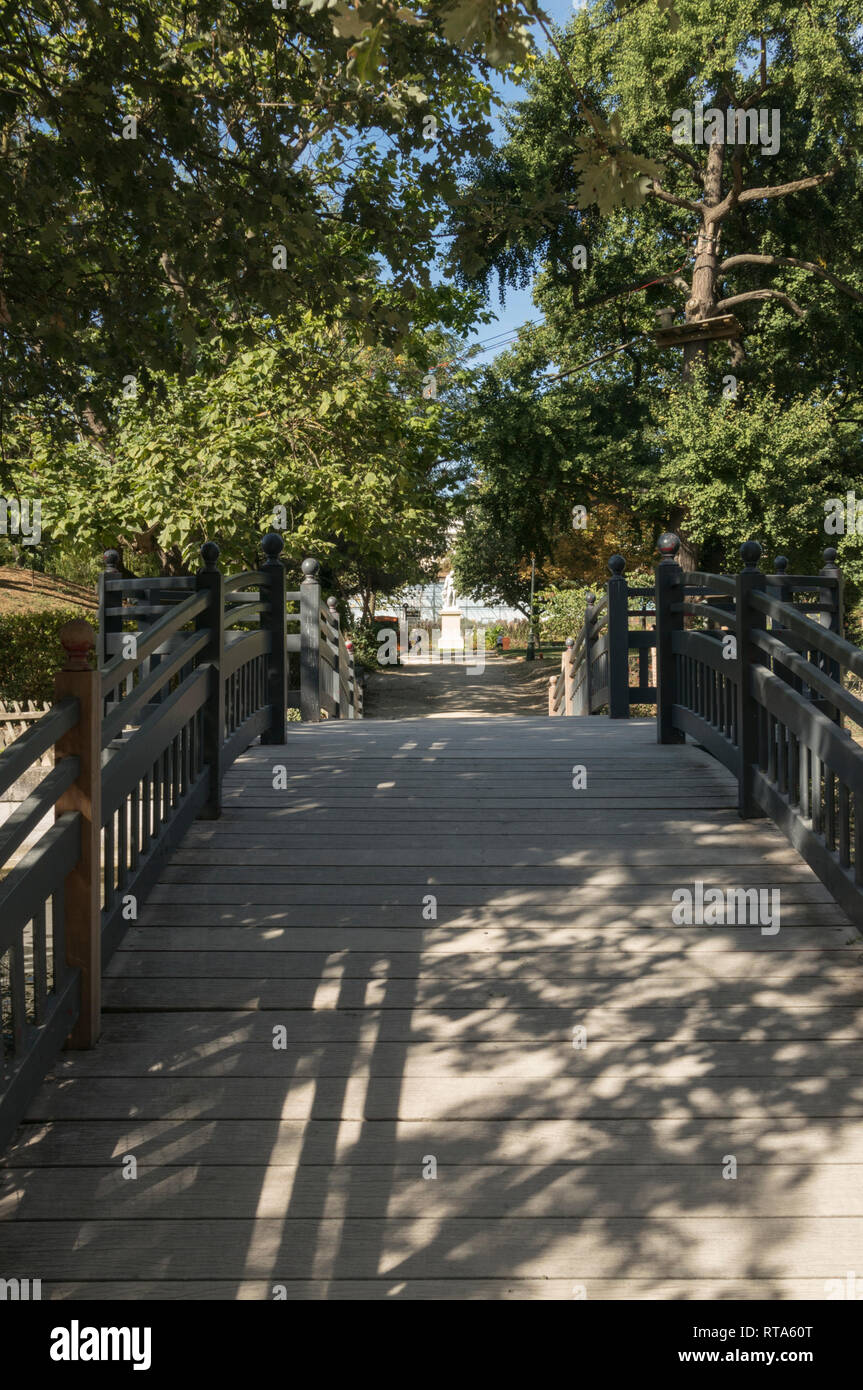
[568, 676]
[586, 656]
[82, 896]
[332, 609]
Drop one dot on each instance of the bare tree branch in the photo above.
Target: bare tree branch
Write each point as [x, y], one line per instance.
[811, 266]
[657, 191]
[673, 277]
[779, 190]
[750, 295]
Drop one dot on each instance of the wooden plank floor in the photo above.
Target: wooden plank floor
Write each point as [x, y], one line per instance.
[418, 1034]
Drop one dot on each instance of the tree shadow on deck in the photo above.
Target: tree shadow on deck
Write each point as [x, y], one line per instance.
[558, 1167]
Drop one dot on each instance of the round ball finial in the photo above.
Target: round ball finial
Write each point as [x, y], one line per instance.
[750, 554]
[617, 565]
[570, 642]
[210, 555]
[780, 564]
[77, 639]
[332, 604]
[668, 546]
[591, 597]
[111, 559]
[310, 568]
[831, 555]
[272, 545]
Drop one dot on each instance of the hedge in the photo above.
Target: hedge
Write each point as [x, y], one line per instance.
[30, 651]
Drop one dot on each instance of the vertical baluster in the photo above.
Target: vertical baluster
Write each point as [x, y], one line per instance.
[109, 863]
[122, 842]
[816, 803]
[40, 965]
[18, 994]
[135, 849]
[829, 808]
[803, 767]
[844, 826]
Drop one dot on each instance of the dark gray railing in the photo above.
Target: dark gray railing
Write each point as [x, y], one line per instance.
[758, 683]
[608, 665]
[141, 744]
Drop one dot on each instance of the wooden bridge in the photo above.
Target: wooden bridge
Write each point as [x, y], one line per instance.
[450, 1008]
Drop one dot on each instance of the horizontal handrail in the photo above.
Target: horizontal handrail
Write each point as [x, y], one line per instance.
[119, 666]
[125, 766]
[812, 675]
[700, 609]
[15, 830]
[821, 638]
[118, 718]
[233, 582]
[18, 757]
[700, 580]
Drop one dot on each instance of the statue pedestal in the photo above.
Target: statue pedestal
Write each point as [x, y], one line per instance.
[451, 639]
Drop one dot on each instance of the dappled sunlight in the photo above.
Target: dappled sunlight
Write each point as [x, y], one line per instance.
[561, 1159]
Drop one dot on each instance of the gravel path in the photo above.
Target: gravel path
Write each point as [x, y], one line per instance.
[508, 685]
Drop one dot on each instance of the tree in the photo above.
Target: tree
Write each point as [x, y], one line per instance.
[171, 173]
[310, 432]
[767, 231]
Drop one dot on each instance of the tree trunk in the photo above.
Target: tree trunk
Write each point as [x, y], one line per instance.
[702, 301]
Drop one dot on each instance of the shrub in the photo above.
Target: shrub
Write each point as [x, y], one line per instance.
[30, 651]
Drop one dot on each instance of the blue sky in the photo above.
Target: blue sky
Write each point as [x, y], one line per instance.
[518, 306]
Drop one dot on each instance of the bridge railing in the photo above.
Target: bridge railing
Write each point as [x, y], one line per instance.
[141, 746]
[329, 682]
[759, 683]
[49, 976]
[608, 665]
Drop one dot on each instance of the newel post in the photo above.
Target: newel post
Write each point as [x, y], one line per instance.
[276, 620]
[209, 580]
[333, 610]
[749, 580]
[669, 590]
[833, 596]
[618, 640]
[587, 654]
[108, 598]
[82, 896]
[310, 642]
[568, 676]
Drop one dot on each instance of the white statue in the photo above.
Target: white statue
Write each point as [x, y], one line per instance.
[449, 591]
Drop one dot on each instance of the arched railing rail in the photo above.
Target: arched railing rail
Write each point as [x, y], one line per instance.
[759, 683]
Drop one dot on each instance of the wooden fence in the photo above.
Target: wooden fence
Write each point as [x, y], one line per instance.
[190, 671]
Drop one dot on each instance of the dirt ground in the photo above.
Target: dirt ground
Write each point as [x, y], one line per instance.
[508, 685]
[24, 590]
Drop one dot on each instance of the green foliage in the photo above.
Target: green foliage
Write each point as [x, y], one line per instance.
[30, 643]
[567, 416]
[364, 638]
[310, 432]
[155, 157]
[561, 612]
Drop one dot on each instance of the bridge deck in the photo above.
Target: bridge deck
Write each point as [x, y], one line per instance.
[409, 1039]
